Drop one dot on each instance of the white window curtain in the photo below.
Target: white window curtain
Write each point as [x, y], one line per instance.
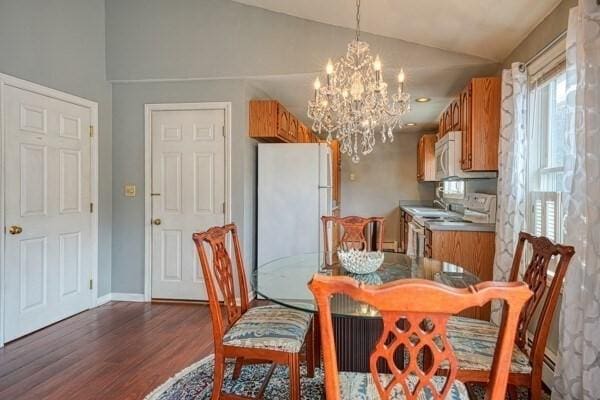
[512, 168]
[578, 369]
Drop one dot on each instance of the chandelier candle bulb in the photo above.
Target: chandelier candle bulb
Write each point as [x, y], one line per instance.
[317, 86]
[329, 70]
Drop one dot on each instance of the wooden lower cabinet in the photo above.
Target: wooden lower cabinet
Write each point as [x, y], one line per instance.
[473, 251]
[405, 218]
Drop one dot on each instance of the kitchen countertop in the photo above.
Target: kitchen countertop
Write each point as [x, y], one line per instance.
[422, 214]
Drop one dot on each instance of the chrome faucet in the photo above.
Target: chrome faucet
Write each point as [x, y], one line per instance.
[442, 203]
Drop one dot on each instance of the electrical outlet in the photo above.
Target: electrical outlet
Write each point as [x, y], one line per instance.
[129, 190]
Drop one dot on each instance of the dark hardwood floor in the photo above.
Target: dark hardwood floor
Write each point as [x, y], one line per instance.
[120, 350]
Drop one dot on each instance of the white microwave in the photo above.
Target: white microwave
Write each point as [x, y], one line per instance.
[447, 159]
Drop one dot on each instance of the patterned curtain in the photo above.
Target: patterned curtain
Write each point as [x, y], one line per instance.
[578, 369]
[512, 166]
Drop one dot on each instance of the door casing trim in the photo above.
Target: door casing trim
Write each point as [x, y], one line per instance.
[148, 109]
[7, 80]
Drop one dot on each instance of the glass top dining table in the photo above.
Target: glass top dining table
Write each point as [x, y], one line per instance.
[285, 280]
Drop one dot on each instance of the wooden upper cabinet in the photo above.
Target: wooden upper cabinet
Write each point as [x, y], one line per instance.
[456, 115]
[465, 109]
[426, 158]
[284, 122]
[293, 128]
[476, 113]
[269, 121]
[480, 143]
[447, 120]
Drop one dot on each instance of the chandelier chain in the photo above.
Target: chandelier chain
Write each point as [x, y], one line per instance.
[357, 20]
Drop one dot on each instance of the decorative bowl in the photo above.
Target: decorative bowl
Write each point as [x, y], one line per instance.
[360, 262]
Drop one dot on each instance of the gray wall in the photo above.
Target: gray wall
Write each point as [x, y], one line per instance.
[150, 39]
[61, 44]
[128, 167]
[552, 26]
[382, 179]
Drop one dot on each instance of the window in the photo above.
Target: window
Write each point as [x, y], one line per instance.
[454, 189]
[547, 140]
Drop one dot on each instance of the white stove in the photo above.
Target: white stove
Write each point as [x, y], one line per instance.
[480, 208]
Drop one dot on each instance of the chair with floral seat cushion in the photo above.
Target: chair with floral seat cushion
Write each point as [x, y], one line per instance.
[268, 334]
[414, 313]
[474, 340]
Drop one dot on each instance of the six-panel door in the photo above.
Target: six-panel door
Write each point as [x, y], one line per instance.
[47, 194]
[188, 195]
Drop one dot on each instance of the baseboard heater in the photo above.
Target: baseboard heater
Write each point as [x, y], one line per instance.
[550, 359]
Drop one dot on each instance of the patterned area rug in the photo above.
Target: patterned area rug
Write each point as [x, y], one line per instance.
[195, 383]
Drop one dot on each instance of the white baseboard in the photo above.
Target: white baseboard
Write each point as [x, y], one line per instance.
[138, 297]
[103, 299]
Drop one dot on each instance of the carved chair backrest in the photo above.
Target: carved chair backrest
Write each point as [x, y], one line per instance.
[414, 314]
[219, 274]
[353, 235]
[543, 250]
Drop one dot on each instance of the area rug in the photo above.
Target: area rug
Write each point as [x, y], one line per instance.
[195, 383]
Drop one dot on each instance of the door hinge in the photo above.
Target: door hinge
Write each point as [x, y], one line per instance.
[223, 207]
[91, 208]
[223, 130]
[91, 131]
[91, 284]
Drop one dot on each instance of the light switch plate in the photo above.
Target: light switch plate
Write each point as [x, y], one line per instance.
[129, 190]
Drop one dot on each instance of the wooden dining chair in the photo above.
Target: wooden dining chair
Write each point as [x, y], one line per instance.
[267, 334]
[353, 235]
[474, 339]
[414, 314]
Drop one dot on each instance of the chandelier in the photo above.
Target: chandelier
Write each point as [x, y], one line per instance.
[354, 102]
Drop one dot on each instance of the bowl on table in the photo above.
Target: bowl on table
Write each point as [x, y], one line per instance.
[360, 262]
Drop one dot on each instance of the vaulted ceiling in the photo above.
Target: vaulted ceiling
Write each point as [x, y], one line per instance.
[476, 36]
[486, 28]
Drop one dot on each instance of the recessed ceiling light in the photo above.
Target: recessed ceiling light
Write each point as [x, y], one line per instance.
[411, 124]
[422, 99]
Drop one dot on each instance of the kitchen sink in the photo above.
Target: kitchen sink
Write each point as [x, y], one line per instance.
[427, 212]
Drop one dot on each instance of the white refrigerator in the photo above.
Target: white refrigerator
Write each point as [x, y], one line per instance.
[294, 191]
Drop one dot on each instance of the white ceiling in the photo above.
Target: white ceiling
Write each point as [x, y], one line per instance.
[484, 28]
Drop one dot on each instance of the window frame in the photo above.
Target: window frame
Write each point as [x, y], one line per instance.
[548, 67]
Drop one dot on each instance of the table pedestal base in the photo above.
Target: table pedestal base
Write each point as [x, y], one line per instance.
[355, 339]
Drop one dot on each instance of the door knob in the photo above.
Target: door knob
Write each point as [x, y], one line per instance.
[15, 230]
[156, 221]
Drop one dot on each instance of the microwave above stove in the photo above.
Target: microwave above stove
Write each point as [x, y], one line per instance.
[448, 151]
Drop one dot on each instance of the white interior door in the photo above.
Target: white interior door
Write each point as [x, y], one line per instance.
[188, 195]
[47, 201]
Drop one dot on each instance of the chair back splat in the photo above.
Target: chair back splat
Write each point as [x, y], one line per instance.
[414, 314]
[536, 277]
[221, 272]
[354, 232]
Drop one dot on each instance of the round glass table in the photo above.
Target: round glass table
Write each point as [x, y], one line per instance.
[284, 280]
[357, 326]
